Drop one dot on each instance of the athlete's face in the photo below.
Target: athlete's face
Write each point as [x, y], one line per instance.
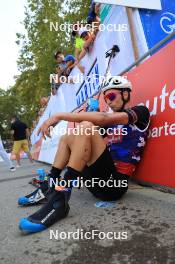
[114, 99]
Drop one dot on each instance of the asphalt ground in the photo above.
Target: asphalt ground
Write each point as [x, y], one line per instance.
[146, 216]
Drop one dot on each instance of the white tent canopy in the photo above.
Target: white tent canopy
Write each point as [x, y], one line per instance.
[148, 4]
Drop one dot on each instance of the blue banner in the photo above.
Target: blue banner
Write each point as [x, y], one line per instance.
[90, 86]
[158, 24]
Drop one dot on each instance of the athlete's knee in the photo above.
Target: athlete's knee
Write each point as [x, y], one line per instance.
[64, 138]
[85, 124]
[67, 138]
[86, 128]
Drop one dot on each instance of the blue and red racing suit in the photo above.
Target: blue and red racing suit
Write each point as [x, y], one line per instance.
[126, 146]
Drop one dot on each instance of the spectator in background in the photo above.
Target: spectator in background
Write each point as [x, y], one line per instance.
[5, 157]
[54, 80]
[71, 63]
[65, 64]
[20, 133]
[88, 38]
[94, 15]
[64, 68]
[59, 71]
[41, 111]
[79, 42]
[34, 124]
[44, 101]
[59, 57]
[61, 66]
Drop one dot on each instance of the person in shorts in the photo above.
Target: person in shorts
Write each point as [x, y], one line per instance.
[20, 134]
[105, 153]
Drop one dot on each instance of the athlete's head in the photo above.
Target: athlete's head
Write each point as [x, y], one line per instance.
[116, 91]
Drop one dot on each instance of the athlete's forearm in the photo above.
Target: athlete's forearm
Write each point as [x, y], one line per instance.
[97, 118]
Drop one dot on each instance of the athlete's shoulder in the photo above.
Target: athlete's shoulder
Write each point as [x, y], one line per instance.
[139, 115]
[141, 108]
[138, 109]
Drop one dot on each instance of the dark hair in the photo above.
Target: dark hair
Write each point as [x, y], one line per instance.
[15, 117]
[75, 29]
[90, 19]
[57, 53]
[84, 34]
[74, 33]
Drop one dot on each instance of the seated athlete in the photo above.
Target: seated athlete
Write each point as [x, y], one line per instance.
[89, 154]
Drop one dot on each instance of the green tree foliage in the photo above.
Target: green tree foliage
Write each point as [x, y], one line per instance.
[36, 59]
[42, 40]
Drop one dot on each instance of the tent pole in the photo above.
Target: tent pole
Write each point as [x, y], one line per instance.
[129, 12]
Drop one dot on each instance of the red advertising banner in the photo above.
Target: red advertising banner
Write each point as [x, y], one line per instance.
[154, 86]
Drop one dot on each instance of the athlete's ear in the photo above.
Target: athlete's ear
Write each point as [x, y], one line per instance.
[126, 95]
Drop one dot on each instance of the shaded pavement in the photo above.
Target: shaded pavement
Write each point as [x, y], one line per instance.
[147, 215]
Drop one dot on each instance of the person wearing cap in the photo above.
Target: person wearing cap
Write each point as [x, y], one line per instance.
[62, 69]
[71, 63]
[111, 160]
[69, 60]
[65, 65]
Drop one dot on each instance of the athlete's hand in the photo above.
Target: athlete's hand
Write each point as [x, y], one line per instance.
[45, 128]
